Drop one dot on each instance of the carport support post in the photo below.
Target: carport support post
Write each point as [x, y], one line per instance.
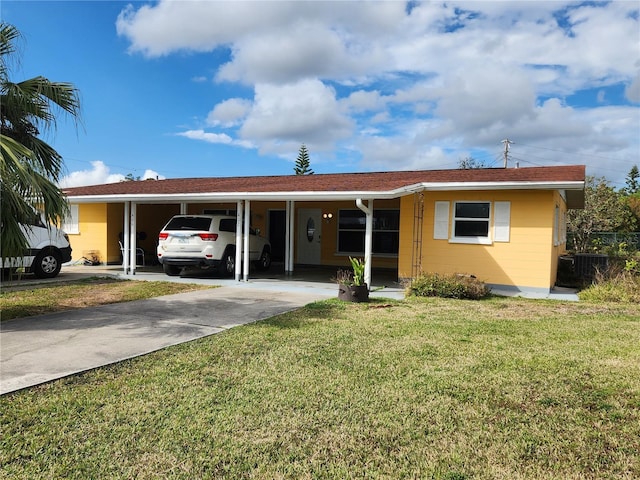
[125, 238]
[288, 246]
[368, 238]
[245, 249]
[239, 213]
[132, 234]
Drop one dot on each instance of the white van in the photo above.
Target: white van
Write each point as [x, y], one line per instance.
[49, 248]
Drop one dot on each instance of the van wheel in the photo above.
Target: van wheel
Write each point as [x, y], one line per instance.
[265, 260]
[47, 263]
[228, 264]
[171, 270]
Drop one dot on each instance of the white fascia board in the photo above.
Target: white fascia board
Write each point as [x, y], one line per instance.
[457, 186]
[230, 197]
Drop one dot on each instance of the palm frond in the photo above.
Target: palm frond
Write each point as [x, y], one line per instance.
[29, 167]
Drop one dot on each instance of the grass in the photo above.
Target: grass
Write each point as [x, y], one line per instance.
[620, 286]
[422, 388]
[24, 302]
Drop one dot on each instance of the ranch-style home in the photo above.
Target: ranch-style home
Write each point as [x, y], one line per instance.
[506, 226]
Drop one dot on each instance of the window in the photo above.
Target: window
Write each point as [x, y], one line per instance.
[71, 223]
[472, 222]
[559, 227]
[351, 231]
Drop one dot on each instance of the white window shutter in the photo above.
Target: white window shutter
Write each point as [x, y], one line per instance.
[501, 221]
[71, 222]
[441, 221]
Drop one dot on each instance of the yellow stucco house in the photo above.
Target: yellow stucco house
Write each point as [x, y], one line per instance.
[505, 226]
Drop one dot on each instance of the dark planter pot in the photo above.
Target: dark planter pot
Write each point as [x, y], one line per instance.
[353, 293]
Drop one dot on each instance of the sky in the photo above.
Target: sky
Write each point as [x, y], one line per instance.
[174, 89]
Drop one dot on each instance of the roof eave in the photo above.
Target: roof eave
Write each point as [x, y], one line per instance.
[525, 185]
[230, 197]
[325, 195]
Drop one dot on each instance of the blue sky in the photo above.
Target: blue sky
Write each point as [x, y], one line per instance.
[197, 88]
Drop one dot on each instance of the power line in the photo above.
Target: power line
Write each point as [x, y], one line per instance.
[568, 153]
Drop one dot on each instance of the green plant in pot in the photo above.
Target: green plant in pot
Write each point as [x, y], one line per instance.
[351, 284]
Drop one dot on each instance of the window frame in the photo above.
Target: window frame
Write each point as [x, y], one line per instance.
[472, 239]
[362, 231]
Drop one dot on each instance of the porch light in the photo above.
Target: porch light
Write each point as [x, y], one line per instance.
[327, 216]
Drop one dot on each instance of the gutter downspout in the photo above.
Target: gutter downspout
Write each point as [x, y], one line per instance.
[368, 238]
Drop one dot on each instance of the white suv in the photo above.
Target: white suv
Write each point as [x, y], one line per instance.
[206, 241]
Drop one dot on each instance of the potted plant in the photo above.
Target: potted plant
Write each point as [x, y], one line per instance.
[351, 284]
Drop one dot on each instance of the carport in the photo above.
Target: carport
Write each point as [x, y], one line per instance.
[244, 193]
[243, 216]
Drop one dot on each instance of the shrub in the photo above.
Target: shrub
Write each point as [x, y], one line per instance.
[448, 286]
[613, 286]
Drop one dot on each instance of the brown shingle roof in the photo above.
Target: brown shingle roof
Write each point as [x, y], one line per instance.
[337, 182]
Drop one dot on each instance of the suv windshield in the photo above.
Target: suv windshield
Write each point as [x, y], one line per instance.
[189, 223]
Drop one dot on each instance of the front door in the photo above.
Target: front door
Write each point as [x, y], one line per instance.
[308, 239]
[277, 231]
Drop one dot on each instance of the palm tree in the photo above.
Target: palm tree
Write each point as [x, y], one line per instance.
[29, 167]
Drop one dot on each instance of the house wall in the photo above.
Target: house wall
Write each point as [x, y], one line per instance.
[528, 259]
[115, 222]
[91, 239]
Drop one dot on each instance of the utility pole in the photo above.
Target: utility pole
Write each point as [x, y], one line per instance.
[506, 142]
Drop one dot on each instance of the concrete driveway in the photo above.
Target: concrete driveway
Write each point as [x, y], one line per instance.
[46, 347]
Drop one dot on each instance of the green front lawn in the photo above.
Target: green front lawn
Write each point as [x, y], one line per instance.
[27, 300]
[444, 389]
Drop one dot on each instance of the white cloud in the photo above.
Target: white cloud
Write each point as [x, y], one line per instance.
[99, 174]
[207, 136]
[380, 153]
[362, 100]
[153, 175]
[303, 112]
[229, 112]
[216, 138]
[632, 92]
[411, 86]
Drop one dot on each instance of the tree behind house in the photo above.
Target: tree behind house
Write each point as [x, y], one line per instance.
[469, 163]
[605, 210]
[303, 164]
[633, 181]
